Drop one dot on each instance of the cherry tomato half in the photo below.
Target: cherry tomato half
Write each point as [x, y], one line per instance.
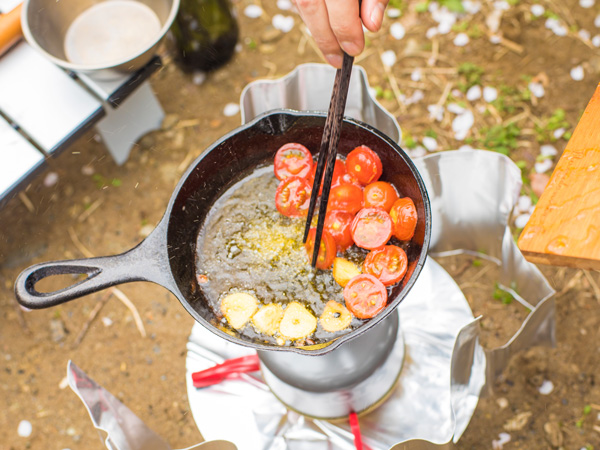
[365, 296]
[380, 195]
[371, 228]
[364, 164]
[339, 170]
[293, 160]
[326, 249]
[345, 197]
[404, 218]
[388, 264]
[338, 224]
[293, 197]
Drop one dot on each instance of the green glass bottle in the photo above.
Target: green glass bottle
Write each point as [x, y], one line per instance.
[206, 33]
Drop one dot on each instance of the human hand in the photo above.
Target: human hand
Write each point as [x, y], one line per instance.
[336, 25]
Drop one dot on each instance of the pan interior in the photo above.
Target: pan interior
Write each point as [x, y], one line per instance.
[238, 155]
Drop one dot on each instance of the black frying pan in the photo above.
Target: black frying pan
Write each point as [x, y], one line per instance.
[167, 256]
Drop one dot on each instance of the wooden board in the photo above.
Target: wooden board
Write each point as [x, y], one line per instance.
[564, 229]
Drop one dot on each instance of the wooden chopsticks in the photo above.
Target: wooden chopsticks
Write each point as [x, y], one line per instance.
[328, 151]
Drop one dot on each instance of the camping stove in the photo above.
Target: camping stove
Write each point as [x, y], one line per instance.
[352, 378]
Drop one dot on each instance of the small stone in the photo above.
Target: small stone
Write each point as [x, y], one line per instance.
[169, 121]
[270, 34]
[553, 434]
[25, 428]
[546, 388]
[502, 403]
[267, 49]
[518, 422]
[50, 179]
[88, 170]
[231, 109]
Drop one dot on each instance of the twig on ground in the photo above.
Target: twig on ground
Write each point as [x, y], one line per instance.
[435, 52]
[136, 315]
[516, 118]
[90, 319]
[364, 55]
[116, 292]
[187, 160]
[302, 45]
[20, 316]
[480, 273]
[88, 212]
[311, 42]
[271, 67]
[445, 94]
[187, 123]
[28, 204]
[595, 287]
[393, 84]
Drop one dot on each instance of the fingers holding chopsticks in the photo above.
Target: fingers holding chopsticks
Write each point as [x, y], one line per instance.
[336, 24]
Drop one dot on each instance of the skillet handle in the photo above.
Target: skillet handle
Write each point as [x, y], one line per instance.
[146, 262]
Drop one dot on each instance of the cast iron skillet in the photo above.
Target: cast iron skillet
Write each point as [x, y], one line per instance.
[167, 256]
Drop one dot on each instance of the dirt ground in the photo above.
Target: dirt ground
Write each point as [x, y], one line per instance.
[99, 208]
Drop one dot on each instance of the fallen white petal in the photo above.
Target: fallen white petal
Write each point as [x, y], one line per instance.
[51, 179]
[474, 93]
[471, 7]
[283, 23]
[501, 5]
[107, 321]
[596, 41]
[558, 133]
[546, 388]
[495, 39]
[584, 34]
[466, 147]
[537, 10]
[430, 143]
[393, 13]
[198, 78]
[231, 109]
[284, 5]
[586, 3]
[416, 97]
[548, 150]
[444, 27]
[493, 20]
[25, 428]
[577, 73]
[536, 89]
[397, 30]
[543, 166]
[490, 94]
[63, 383]
[461, 39]
[455, 108]
[253, 11]
[436, 112]
[416, 75]
[597, 21]
[522, 220]
[418, 152]
[524, 203]
[503, 438]
[431, 33]
[461, 125]
[388, 58]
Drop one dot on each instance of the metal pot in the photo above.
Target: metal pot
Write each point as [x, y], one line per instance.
[167, 256]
